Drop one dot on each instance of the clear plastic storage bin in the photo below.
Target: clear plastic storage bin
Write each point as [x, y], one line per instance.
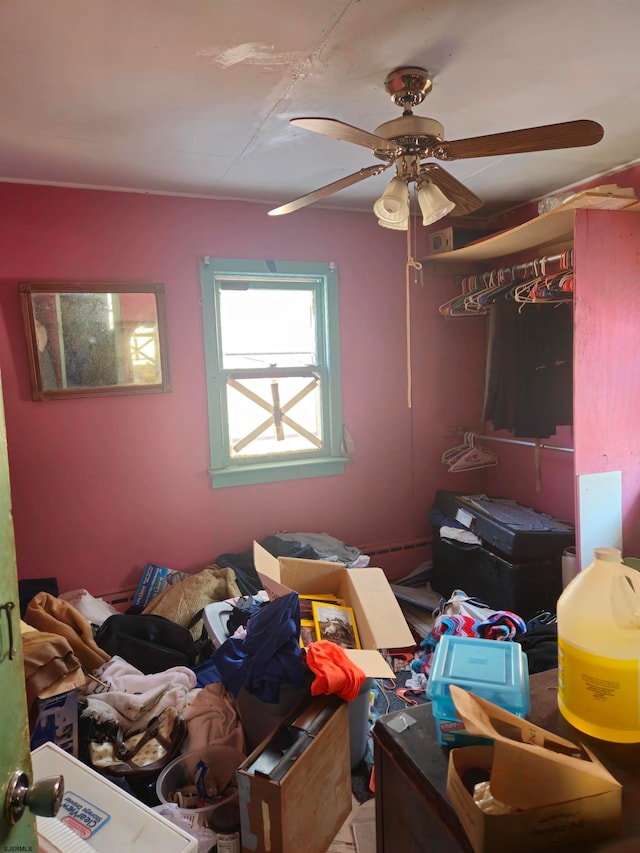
[495, 670]
[98, 815]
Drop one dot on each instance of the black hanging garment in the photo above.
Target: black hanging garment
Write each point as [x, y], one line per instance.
[529, 376]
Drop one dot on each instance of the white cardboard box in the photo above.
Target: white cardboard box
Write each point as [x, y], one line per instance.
[107, 818]
[381, 623]
[57, 721]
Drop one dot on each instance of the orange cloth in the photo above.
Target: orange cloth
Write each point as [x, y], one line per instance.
[335, 672]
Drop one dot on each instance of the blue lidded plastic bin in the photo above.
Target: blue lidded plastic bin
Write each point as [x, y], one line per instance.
[495, 670]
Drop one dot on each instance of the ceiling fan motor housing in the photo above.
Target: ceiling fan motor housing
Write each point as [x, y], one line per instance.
[414, 134]
[407, 87]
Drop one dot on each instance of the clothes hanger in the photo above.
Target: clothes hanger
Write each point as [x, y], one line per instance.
[551, 289]
[471, 456]
[474, 457]
[453, 453]
[472, 301]
[456, 308]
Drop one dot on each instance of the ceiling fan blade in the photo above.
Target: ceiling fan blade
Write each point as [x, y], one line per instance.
[329, 189]
[568, 134]
[465, 200]
[337, 129]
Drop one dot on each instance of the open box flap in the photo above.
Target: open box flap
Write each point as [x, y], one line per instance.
[310, 577]
[292, 573]
[370, 662]
[269, 571]
[531, 767]
[266, 563]
[63, 685]
[380, 620]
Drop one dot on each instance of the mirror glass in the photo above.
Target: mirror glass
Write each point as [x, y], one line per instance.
[95, 339]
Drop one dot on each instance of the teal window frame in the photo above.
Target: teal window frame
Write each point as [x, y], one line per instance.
[328, 460]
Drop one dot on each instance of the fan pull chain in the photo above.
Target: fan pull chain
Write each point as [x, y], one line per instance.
[416, 265]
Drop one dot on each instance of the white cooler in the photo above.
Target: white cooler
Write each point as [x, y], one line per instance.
[98, 815]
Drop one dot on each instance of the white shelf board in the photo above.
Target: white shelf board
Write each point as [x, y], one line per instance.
[550, 228]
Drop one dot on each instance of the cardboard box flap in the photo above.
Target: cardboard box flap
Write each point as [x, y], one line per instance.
[532, 767]
[370, 662]
[67, 682]
[266, 563]
[381, 622]
[310, 577]
[291, 573]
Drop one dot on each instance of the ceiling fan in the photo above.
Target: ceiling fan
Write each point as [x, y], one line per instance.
[408, 141]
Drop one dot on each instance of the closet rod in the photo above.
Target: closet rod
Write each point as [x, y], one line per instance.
[548, 259]
[520, 441]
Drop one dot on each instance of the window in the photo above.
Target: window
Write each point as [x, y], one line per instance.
[273, 370]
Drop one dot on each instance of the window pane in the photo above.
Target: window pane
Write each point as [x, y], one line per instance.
[263, 328]
[143, 348]
[252, 427]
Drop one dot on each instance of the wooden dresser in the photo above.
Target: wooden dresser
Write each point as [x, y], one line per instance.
[413, 814]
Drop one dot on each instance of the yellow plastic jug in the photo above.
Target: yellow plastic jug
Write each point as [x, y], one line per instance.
[599, 649]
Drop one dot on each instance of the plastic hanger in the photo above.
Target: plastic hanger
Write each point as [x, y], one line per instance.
[475, 457]
[466, 456]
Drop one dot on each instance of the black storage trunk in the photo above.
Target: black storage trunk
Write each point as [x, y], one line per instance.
[513, 569]
[509, 539]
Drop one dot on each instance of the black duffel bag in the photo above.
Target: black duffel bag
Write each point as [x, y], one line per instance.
[150, 643]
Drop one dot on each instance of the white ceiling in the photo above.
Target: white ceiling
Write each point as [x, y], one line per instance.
[194, 96]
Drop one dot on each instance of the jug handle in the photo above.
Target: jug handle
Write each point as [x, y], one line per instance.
[631, 581]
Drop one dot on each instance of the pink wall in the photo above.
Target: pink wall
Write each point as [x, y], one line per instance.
[101, 486]
[605, 367]
[607, 356]
[515, 475]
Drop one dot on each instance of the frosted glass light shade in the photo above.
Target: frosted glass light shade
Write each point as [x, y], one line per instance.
[399, 225]
[433, 203]
[394, 201]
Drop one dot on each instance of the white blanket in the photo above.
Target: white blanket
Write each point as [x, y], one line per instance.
[126, 696]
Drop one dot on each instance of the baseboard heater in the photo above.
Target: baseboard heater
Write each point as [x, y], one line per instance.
[395, 547]
[122, 599]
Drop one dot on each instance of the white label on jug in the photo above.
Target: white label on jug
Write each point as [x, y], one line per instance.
[602, 690]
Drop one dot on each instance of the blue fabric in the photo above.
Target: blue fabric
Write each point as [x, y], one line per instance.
[222, 665]
[273, 655]
[269, 656]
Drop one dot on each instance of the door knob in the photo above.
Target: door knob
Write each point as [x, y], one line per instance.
[43, 798]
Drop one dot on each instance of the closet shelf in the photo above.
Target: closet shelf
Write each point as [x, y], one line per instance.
[548, 229]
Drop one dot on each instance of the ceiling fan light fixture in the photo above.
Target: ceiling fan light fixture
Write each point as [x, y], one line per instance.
[394, 201]
[433, 203]
[397, 225]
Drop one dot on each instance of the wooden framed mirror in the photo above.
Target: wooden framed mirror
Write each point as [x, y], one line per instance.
[87, 340]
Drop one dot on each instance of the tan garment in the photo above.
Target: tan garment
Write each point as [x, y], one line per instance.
[181, 601]
[212, 720]
[50, 667]
[55, 616]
